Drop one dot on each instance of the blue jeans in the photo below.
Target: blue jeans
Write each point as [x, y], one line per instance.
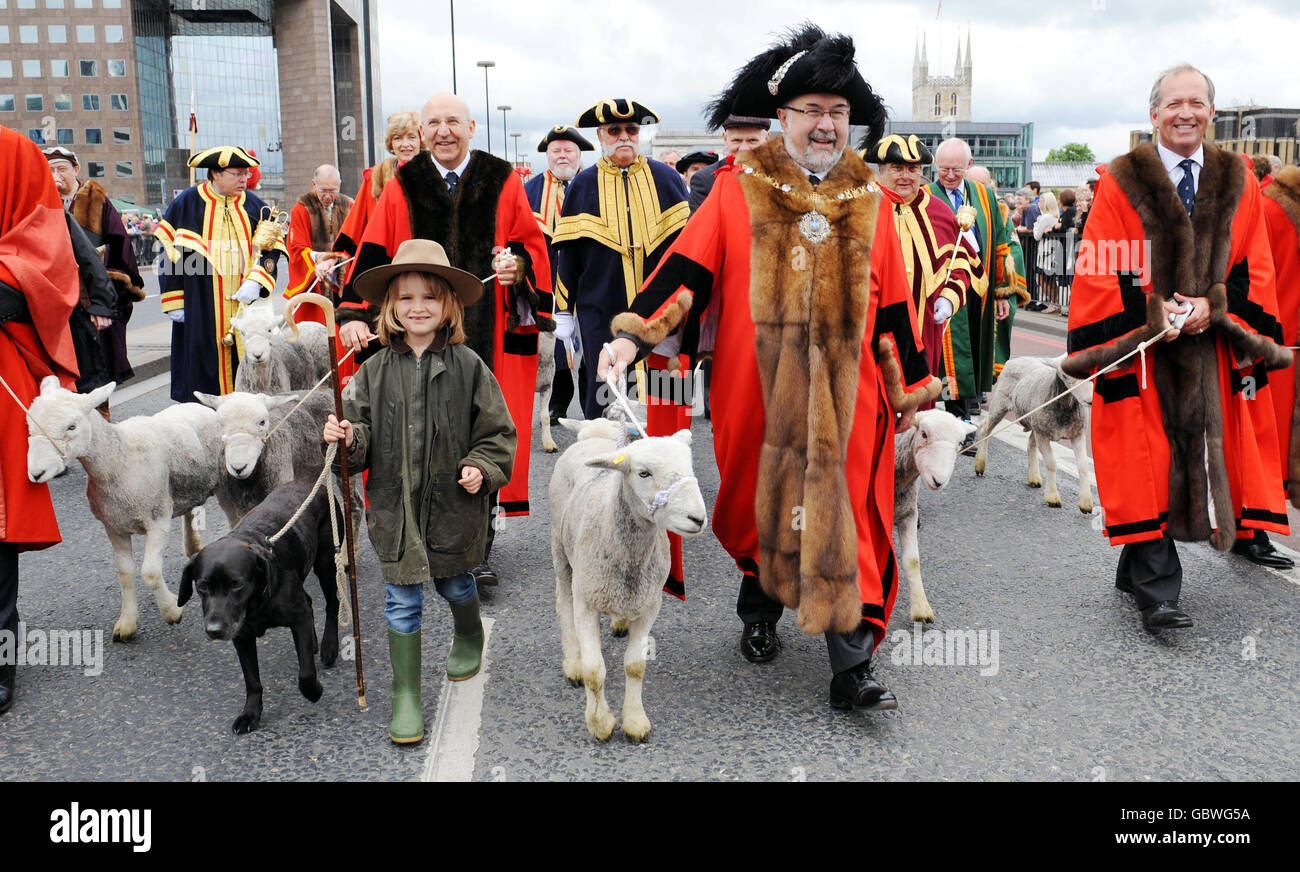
[404, 603]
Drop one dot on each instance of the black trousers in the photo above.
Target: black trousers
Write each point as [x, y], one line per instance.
[9, 588]
[562, 384]
[845, 650]
[1152, 568]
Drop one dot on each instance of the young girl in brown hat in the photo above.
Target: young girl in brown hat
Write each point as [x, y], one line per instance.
[427, 418]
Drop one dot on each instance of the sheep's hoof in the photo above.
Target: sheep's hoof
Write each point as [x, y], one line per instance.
[574, 682]
[602, 726]
[1086, 508]
[173, 614]
[979, 466]
[1054, 503]
[619, 627]
[1035, 482]
[123, 630]
[549, 446]
[636, 726]
[925, 616]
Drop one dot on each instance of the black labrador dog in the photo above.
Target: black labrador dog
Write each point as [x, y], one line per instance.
[248, 586]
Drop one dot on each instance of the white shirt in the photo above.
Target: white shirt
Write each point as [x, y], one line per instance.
[459, 171]
[1171, 159]
[952, 200]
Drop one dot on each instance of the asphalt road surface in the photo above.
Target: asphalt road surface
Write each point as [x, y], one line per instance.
[1077, 689]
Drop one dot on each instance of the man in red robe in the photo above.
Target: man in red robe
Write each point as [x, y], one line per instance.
[474, 205]
[1176, 230]
[38, 290]
[813, 360]
[314, 223]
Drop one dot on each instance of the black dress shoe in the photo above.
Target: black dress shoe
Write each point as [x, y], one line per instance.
[968, 442]
[7, 675]
[1262, 552]
[857, 688]
[759, 642]
[483, 575]
[1165, 615]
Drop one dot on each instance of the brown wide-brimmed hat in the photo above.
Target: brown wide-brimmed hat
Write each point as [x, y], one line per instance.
[418, 255]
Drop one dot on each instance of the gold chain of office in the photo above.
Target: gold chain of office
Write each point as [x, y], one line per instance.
[814, 198]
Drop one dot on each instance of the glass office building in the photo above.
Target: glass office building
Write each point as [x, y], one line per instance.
[1006, 148]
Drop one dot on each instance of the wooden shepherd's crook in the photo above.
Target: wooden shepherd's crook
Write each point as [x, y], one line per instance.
[328, 308]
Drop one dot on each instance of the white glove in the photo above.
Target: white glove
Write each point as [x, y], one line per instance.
[177, 315]
[564, 326]
[249, 292]
[942, 310]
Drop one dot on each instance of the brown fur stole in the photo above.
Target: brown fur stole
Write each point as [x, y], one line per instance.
[87, 207]
[809, 304]
[324, 228]
[1189, 256]
[379, 176]
[1285, 191]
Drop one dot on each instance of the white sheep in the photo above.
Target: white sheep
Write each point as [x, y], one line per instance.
[612, 506]
[140, 473]
[257, 464]
[1026, 383]
[926, 452]
[272, 362]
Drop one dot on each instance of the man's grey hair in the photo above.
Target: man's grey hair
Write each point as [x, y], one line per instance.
[1027, 193]
[1178, 68]
[325, 170]
[965, 148]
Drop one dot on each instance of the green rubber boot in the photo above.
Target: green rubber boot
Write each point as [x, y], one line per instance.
[466, 655]
[408, 718]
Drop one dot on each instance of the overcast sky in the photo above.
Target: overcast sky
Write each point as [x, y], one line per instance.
[1079, 69]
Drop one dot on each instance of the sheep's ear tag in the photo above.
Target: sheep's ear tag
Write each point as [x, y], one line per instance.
[620, 459]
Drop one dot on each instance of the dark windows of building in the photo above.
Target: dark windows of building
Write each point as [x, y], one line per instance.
[65, 136]
[94, 136]
[117, 69]
[95, 169]
[36, 135]
[953, 106]
[59, 69]
[31, 69]
[58, 33]
[121, 136]
[89, 69]
[124, 169]
[90, 102]
[7, 103]
[118, 102]
[85, 33]
[938, 108]
[62, 102]
[6, 68]
[35, 103]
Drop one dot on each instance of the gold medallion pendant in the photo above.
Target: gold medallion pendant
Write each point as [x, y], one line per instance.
[814, 226]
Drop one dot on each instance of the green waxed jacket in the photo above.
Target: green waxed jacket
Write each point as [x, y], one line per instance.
[418, 421]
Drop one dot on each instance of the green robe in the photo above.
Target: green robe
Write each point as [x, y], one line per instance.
[1016, 293]
[968, 350]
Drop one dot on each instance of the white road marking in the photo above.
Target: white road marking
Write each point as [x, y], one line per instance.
[131, 391]
[456, 724]
[1019, 439]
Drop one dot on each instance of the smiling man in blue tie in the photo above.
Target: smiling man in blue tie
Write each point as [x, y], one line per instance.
[1176, 242]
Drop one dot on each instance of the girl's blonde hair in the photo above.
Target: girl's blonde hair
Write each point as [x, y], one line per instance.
[1047, 204]
[453, 313]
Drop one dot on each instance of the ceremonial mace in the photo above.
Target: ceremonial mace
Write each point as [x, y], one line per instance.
[965, 221]
[272, 226]
[327, 308]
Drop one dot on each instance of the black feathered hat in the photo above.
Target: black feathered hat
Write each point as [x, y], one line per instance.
[896, 148]
[562, 131]
[807, 61]
[614, 111]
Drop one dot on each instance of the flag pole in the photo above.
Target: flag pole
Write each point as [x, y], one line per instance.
[194, 121]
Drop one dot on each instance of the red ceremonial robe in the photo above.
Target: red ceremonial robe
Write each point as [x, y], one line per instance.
[1281, 203]
[510, 351]
[716, 254]
[36, 260]
[1139, 246]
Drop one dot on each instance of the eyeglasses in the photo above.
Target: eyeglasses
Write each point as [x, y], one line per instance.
[906, 169]
[816, 113]
[616, 130]
[238, 172]
[948, 171]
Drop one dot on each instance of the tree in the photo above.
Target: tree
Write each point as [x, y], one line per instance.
[1071, 151]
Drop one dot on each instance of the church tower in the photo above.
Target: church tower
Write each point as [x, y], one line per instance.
[941, 98]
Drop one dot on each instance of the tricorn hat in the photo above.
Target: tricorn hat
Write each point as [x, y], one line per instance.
[58, 152]
[704, 157]
[223, 157]
[614, 111]
[896, 148]
[563, 131]
[807, 61]
[418, 255]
